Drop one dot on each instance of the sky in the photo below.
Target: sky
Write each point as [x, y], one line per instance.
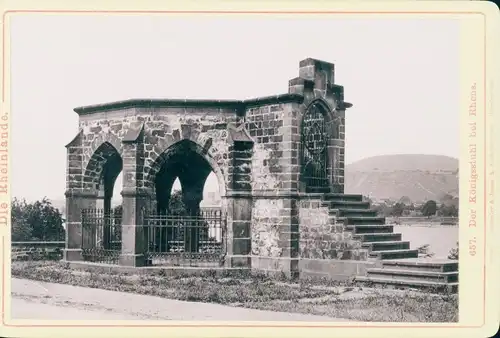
[401, 75]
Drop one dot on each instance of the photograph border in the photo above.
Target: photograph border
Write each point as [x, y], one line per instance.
[483, 96]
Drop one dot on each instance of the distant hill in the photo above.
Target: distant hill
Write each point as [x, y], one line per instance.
[419, 177]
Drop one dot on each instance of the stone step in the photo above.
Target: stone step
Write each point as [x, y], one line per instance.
[397, 283]
[387, 245]
[361, 220]
[319, 189]
[432, 276]
[422, 264]
[357, 213]
[342, 197]
[347, 205]
[394, 254]
[378, 237]
[370, 228]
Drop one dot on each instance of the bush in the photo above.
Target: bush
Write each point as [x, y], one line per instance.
[424, 251]
[453, 254]
[448, 211]
[429, 208]
[37, 221]
[398, 209]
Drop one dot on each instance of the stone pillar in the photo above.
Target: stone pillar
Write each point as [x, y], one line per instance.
[335, 165]
[337, 142]
[341, 156]
[316, 82]
[136, 198]
[192, 195]
[76, 201]
[79, 196]
[135, 203]
[239, 199]
[290, 176]
[321, 73]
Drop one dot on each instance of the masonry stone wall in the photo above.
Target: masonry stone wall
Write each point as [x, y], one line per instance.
[321, 237]
[266, 222]
[161, 128]
[269, 126]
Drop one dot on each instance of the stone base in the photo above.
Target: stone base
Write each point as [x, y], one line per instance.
[72, 255]
[286, 267]
[132, 260]
[160, 270]
[337, 270]
[235, 261]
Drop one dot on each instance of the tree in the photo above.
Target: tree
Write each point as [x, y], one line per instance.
[405, 200]
[176, 204]
[38, 221]
[448, 210]
[424, 251]
[397, 209]
[21, 231]
[367, 199]
[453, 254]
[429, 208]
[117, 213]
[382, 209]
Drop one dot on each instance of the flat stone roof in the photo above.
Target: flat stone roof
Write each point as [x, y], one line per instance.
[186, 103]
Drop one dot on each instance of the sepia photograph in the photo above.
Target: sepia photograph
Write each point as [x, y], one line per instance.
[235, 167]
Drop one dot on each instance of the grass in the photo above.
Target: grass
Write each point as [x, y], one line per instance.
[334, 299]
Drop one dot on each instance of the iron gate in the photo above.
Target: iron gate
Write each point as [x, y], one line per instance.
[314, 148]
[179, 240]
[101, 235]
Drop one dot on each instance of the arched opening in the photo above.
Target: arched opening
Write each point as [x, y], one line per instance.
[175, 202]
[211, 193]
[183, 226]
[101, 227]
[314, 148]
[212, 203]
[116, 200]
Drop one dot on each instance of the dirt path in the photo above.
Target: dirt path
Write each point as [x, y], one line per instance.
[39, 300]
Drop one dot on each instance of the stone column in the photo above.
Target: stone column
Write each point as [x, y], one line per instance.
[192, 195]
[239, 198]
[338, 142]
[341, 155]
[135, 198]
[290, 175]
[79, 196]
[76, 201]
[336, 167]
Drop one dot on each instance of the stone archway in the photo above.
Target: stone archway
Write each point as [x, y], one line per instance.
[104, 166]
[101, 228]
[189, 234]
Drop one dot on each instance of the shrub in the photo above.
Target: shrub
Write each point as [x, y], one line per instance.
[37, 221]
[424, 251]
[429, 208]
[453, 254]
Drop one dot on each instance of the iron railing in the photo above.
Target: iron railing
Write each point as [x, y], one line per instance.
[179, 240]
[101, 236]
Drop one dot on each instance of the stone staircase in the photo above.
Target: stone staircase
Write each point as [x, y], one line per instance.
[424, 274]
[399, 265]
